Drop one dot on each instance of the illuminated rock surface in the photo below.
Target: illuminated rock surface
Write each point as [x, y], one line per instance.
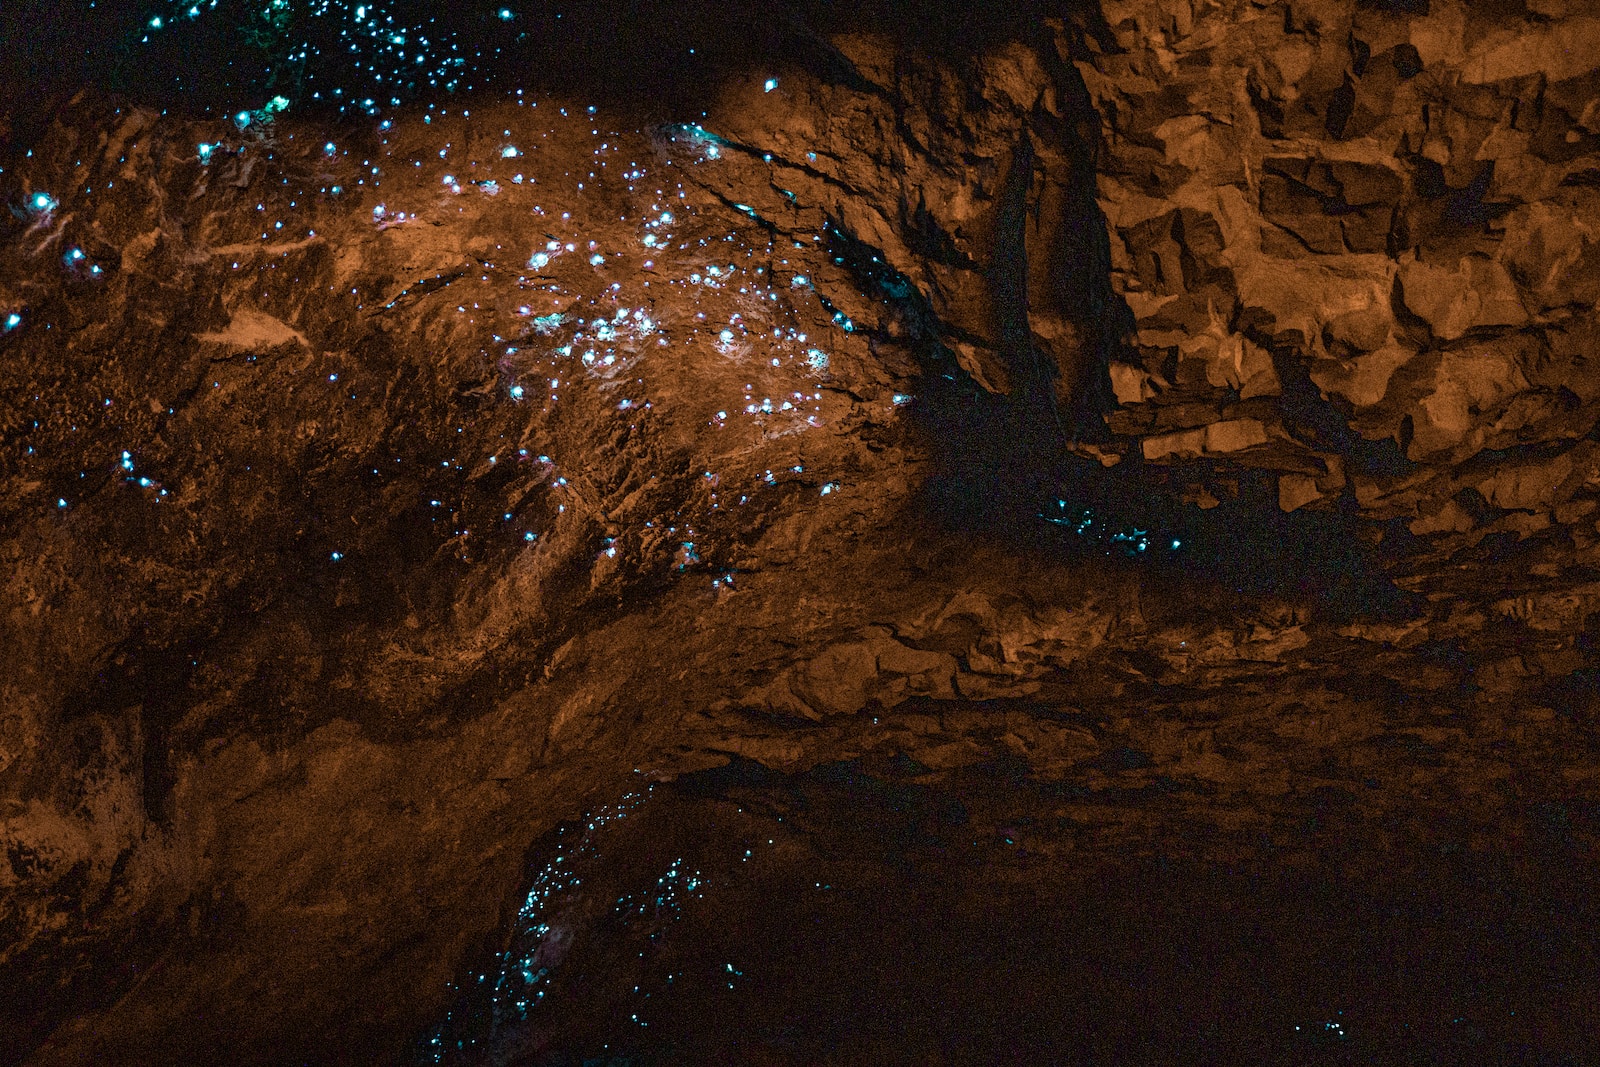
[1110, 500]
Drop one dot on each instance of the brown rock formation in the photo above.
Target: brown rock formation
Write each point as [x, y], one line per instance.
[1373, 196]
[1173, 423]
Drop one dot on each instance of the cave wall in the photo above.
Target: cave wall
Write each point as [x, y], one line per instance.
[1382, 209]
[288, 696]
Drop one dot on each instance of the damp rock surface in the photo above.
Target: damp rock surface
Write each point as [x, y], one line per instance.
[1014, 457]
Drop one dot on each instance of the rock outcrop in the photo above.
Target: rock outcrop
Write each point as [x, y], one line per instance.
[1354, 241]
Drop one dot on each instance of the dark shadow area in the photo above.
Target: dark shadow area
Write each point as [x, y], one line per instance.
[859, 914]
[236, 54]
[57, 981]
[1005, 472]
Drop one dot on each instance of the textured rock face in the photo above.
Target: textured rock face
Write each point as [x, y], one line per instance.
[377, 498]
[1392, 201]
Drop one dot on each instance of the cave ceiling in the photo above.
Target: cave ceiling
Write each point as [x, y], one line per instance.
[1113, 434]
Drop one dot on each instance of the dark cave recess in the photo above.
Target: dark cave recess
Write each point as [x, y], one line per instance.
[883, 914]
[619, 53]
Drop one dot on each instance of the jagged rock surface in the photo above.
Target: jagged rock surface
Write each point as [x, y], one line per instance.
[1356, 243]
[343, 560]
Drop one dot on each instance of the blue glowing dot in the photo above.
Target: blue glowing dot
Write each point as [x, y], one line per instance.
[146, 482]
[205, 151]
[155, 23]
[516, 392]
[42, 202]
[726, 335]
[377, 212]
[1176, 544]
[529, 536]
[13, 320]
[506, 15]
[772, 83]
[509, 152]
[127, 461]
[337, 556]
[61, 502]
[596, 259]
[330, 148]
